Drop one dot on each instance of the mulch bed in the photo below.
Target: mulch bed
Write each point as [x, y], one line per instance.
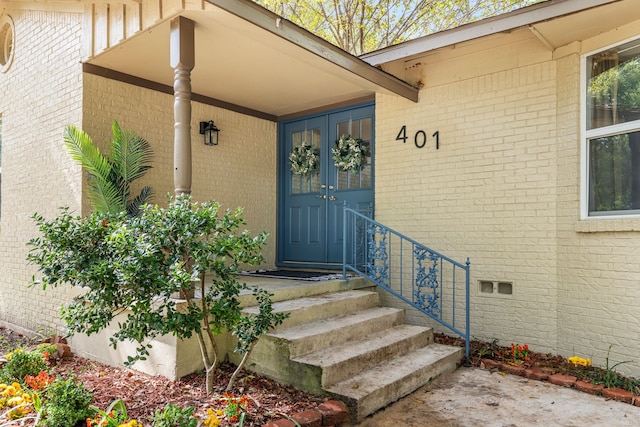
[144, 394]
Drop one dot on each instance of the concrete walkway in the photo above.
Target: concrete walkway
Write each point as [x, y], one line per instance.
[472, 397]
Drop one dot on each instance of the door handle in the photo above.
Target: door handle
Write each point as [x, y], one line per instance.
[332, 198]
[322, 196]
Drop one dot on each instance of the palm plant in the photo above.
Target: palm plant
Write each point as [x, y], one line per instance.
[110, 176]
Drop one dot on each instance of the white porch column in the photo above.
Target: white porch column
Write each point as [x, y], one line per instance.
[182, 61]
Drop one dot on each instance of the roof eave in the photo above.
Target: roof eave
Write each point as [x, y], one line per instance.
[519, 18]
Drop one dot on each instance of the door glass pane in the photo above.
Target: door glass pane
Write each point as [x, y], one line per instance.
[613, 86]
[362, 129]
[354, 180]
[314, 136]
[342, 180]
[365, 176]
[309, 183]
[343, 129]
[366, 129]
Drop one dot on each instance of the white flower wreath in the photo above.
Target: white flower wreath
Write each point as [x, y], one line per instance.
[349, 153]
[304, 160]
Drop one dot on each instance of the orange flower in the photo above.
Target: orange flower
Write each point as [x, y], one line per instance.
[520, 352]
[40, 381]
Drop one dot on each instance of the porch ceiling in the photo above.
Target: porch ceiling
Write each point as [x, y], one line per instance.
[246, 57]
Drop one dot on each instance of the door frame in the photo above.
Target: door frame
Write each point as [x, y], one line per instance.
[283, 173]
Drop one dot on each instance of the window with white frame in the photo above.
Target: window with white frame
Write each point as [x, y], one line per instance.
[613, 130]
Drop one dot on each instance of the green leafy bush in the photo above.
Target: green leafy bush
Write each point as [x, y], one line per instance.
[21, 363]
[175, 416]
[138, 265]
[67, 403]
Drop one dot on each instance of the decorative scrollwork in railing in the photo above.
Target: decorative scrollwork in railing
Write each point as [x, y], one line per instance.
[360, 245]
[427, 289]
[410, 271]
[378, 259]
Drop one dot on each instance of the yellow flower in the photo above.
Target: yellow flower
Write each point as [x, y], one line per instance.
[579, 361]
[15, 401]
[19, 412]
[212, 419]
[11, 390]
[11, 353]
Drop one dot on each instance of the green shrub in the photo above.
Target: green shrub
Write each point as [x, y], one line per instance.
[140, 263]
[67, 403]
[174, 416]
[21, 363]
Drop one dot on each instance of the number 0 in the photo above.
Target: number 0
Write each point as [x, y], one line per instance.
[420, 135]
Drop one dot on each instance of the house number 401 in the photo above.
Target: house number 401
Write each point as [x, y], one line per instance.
[419, 138]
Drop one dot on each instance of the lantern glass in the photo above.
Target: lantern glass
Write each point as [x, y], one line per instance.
[210, 132]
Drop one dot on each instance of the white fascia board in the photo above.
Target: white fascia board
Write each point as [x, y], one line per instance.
[509, 21]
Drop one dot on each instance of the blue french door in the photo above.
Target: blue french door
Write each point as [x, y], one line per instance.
[311, 206]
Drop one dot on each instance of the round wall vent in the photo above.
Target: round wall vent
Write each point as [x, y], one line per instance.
[7, 42]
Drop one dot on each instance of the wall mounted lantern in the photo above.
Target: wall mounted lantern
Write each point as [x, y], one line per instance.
[210, 132]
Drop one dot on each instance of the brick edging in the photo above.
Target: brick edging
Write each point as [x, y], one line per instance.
[328, 414]
[565, 381]
[333, 412]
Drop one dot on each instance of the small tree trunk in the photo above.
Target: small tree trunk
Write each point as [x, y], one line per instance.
[209, 366]
[209, 371]
[240, 366]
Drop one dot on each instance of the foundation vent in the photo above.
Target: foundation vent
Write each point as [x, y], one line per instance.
[495, 288]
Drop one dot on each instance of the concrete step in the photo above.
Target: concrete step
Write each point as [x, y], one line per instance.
[308, 309]
[287, 289]
[344, 344]
[310, 337]
[385, 383]
[310, 324]
[348, 359]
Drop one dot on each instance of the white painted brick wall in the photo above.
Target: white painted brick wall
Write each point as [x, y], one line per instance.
[41, 92]
[488, 193]
[504, 190]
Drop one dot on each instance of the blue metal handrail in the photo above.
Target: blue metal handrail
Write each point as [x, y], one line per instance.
[377, 253]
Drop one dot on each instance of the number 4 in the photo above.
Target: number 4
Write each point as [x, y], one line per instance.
[402, 135]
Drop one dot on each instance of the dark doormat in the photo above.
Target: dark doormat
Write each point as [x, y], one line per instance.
[295, 274]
